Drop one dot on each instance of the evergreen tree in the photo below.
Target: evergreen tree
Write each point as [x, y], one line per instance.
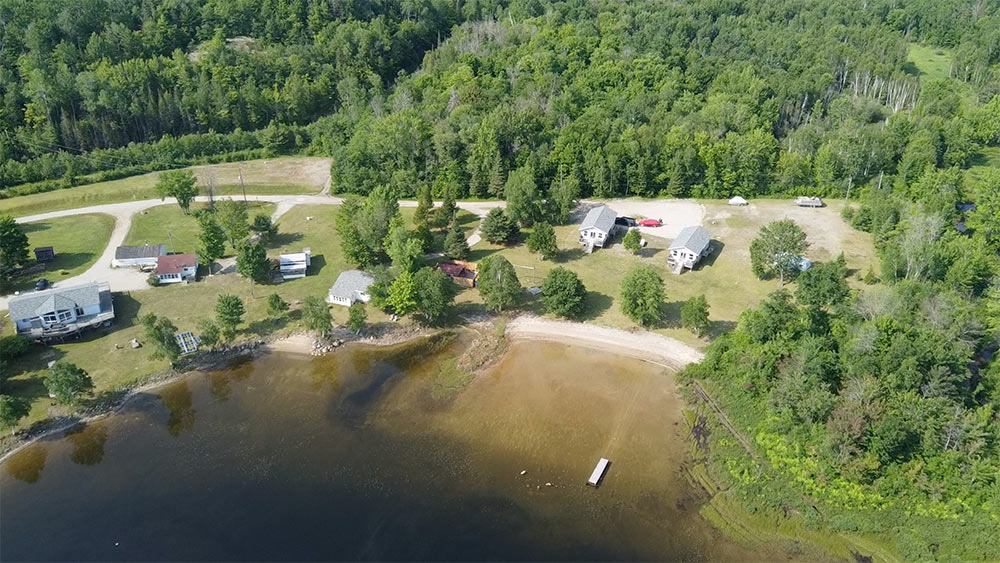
[632, 241]
[498, 283]
[497, 227]
[425, 206]
[445, 215]
[13, 243]
[542, 240]
[455, 245]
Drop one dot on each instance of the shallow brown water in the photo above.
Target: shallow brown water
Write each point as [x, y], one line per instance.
[350, 457]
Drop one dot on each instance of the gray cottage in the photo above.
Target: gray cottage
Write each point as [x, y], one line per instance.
[351, 286]
[56, 313]
[598, 227]
[690, 246]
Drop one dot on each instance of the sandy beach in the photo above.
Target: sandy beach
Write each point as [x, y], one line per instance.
[643, 345]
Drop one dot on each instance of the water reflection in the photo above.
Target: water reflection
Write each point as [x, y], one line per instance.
[88, 443]
[220, 382]
[177, 398]
[27, 464]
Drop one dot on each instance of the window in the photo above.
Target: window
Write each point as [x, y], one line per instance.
[79, 312]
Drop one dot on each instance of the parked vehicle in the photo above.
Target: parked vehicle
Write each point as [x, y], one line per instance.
[651, 223]
[41, 284]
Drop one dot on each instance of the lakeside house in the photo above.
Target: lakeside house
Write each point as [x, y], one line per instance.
[598, 227]
[176, 268]
[138, 256]
[462, 273]
[62, 312]
[351, 286]
[45, 254]
[294, 265]
[690, 246]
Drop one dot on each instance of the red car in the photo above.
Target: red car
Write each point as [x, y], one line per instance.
[650, 223]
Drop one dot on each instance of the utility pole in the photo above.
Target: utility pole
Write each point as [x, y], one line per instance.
[242, 185]
[170, 235]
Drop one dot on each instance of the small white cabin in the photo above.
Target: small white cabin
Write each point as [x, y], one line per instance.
[351, 286]
[690, 246]
[598, 227]
[176, 268]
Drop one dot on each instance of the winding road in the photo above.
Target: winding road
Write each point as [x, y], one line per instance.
[130, 279]
[681, 212]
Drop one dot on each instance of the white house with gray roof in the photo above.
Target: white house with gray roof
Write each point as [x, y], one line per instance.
[351, 286]
[138, 256]
[690, 246]
[60, 312]
[598, 227]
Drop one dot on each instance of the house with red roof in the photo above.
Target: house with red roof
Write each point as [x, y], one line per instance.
[174, 268]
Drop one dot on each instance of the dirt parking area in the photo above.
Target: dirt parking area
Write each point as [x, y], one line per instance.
[312, 171]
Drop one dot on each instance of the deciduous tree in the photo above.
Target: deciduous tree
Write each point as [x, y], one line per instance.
[434, 291]
[402, 294]
[66, 382]
[694, 315]
[252, 262]
[632, 241]
[12, 410]
[316, 315]
[642, 295]
[356, 316]
[212, 240]
[179, 184]
[163, 334]
[563, 293]
[542, 240]
[276, 306]
[229, 311]
[777, 250]
[234, 219]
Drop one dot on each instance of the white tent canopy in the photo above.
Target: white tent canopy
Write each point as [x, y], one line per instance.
[737, 200]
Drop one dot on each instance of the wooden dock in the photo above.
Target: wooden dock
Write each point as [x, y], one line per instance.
[598, 475]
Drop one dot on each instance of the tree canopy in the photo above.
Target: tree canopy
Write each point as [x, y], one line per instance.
[498, 283]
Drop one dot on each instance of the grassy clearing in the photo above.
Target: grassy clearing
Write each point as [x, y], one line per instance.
[276, 177]
[158, 224]
[724, 277]
[78, 242]
[930, 63]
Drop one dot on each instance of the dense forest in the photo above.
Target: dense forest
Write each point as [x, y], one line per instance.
[875, 410]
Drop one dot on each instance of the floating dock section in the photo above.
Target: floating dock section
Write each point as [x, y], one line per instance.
[598, 475]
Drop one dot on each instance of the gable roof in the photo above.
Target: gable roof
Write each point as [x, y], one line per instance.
[35, 304]
[351, 281]
[175, 263]
[601, 218]
[133, 252]
[692, 238]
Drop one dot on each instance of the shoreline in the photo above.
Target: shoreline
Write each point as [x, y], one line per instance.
[643, 345]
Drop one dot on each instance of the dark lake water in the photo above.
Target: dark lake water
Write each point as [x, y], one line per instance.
[355, 456]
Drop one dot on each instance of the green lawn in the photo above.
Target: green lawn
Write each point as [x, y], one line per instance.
[78, 241]
[930, 63]
[293, 175]
[161, 224]
[725, 279]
